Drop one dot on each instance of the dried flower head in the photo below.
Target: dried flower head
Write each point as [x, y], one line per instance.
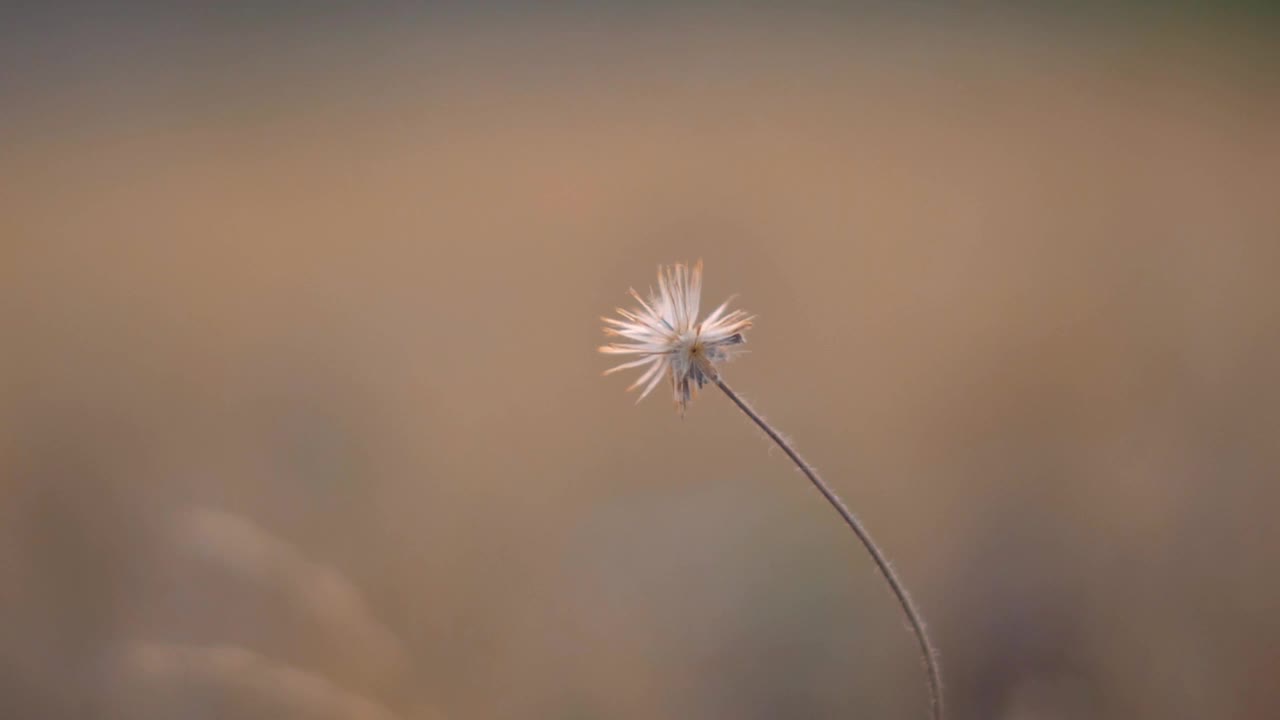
[670, 340]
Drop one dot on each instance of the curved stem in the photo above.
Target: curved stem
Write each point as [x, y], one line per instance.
[882, 563]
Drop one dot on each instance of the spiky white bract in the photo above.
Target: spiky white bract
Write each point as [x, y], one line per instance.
[670, 339]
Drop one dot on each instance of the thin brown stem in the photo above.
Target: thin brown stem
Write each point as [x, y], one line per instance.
[900, 592]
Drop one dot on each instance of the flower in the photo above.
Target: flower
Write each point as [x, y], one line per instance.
[670, 340]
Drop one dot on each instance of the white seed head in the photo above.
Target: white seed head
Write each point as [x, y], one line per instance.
[670, 340]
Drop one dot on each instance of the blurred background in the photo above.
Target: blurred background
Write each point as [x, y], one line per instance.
[301, 414]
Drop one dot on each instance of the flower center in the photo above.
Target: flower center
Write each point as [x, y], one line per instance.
[690, 343]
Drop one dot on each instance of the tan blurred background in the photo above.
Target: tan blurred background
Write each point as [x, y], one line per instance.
[301, 417]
